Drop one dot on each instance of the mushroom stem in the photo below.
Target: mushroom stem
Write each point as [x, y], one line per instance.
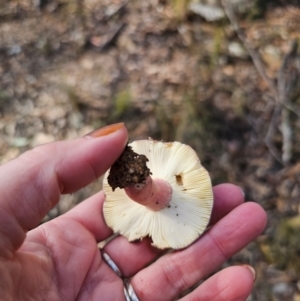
[154, 193]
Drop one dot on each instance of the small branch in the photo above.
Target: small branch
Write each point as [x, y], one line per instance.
[253, 54]
[284, 88]
[285, 72]
[270, 147]
[279, 93]
[290, 108]
[273, 123]
[287, 133]
[110, 13]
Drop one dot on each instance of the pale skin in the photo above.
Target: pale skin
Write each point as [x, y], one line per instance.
[60, 260]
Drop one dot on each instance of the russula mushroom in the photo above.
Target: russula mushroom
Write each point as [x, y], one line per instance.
[172, 203]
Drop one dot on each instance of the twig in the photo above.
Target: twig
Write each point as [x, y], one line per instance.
[279, 93]
[287, 133]
[283, 78]
[273, 123]
[284, 89]
[112, 12]
[254, 55]
[270, 147]
[290, 108]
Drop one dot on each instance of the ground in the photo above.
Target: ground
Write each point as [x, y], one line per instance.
[130, 169]
[225, 83]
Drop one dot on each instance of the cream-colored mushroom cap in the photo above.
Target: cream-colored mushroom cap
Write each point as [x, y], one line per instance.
[188, 213]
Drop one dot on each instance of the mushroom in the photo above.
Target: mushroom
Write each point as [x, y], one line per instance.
[173, 203]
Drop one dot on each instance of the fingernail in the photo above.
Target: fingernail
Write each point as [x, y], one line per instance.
[251, 269]
[243, 193]
[105, 130]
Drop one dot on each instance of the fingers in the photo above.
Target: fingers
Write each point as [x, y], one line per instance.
[137, 255]
[31, 184]
[90, 215]
[234, 283]
[226, 197]
[174, 273]
[134, 256]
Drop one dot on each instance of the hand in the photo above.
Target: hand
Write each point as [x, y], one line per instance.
[60, 260]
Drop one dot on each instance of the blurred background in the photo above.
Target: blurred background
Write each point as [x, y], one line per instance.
[222, 76]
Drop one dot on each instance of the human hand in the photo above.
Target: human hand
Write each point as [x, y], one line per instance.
[60, 259]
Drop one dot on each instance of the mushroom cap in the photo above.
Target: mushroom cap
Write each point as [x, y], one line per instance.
[189, 211]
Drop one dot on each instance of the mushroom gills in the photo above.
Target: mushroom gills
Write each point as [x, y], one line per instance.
[187, 214]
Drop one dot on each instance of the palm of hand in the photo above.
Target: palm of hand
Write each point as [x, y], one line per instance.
[60, 261]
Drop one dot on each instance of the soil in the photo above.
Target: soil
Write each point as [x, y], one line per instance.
[129, 169]
[172, 74]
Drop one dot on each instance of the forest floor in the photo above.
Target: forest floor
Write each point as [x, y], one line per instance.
[226, 82]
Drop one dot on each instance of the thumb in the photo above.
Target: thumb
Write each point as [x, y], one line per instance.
[31, 184]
